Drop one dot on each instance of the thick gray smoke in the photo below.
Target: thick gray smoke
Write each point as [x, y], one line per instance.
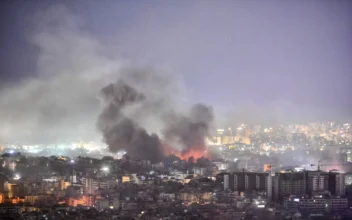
[60, 103]
[121, 132]
[189, 131]
[122, 128]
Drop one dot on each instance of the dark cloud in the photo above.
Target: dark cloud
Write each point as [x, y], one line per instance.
[121, 132]
[191, 129]
[62, 102]
[122, 127]
[304, 63]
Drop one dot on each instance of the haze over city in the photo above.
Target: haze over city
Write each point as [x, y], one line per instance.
[258, 62]
[104, 96]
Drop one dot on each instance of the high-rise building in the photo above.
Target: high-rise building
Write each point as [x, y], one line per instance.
[269, 186]
[317, 181]
[316, 204]
[308, 183]
[245, 181]
[227, 181]
[337, 184]
[291, 184]
[91, 185]
[73, 177]
[280, 185]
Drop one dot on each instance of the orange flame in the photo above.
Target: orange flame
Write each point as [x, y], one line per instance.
[196, 152]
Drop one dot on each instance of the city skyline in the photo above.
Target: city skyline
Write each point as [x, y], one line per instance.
[163, 109]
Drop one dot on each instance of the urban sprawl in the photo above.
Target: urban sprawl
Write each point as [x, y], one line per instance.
[245, 172]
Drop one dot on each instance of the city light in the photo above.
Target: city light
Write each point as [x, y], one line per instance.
[93, 127]
[105, 169]
[17, 176]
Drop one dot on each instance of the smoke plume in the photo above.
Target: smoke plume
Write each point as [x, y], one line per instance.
[122, 128]
[121, 132]
[141, 108]
[189, 131]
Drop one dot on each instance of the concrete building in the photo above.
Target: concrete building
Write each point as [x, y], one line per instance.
[340, 187]
[11, 189]
[316, 204]
[246, 181]
[337, 185]
[291, 184]
[91, 185]
[102, 204]
[268, 186]
[317, 181]
[307, 182]
[337, 204]
[348, 178]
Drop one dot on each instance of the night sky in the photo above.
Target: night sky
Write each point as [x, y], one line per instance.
[264, 53]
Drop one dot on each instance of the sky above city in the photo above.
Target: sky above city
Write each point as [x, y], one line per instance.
[238, 56]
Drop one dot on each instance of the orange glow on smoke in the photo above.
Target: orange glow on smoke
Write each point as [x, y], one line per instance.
[196, 152]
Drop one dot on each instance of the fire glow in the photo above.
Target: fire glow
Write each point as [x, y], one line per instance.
[196, 152]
